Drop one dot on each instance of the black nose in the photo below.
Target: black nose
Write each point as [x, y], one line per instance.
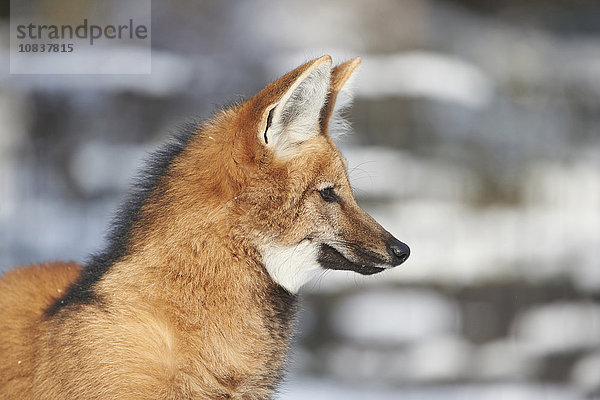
[398, 250]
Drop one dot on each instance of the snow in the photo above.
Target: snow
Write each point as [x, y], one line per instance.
[586, 373]
[439, 359]
[504, 359]
[317, 389]
[377, 172]
[431, 75]
[559, 327]
[394, 316]
[99, 167]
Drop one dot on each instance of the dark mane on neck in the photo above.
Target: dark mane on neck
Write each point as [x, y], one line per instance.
[118, 238]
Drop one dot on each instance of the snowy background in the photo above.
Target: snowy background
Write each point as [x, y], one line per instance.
[476, 141]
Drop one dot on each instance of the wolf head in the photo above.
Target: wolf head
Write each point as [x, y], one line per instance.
[292, 199]
[267, 175]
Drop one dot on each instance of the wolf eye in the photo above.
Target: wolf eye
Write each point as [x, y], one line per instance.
[329, 195]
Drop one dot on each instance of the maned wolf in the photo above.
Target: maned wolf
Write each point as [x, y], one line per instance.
[194, 296]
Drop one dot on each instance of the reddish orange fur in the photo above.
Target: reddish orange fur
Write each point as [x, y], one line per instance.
[25, 293]
[189, 311]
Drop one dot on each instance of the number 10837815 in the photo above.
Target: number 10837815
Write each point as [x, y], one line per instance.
[46, 48]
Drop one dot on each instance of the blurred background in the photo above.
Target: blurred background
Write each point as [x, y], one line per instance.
[476, 140]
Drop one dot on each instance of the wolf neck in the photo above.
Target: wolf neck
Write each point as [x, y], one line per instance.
[196, 276]
[183, 245]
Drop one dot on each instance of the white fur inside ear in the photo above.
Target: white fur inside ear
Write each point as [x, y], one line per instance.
[295, 118]
[338, 124]
[292, 266]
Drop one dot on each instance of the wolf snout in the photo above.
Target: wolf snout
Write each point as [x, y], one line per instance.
[398, 250]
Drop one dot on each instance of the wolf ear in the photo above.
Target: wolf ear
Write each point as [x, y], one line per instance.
[340, 96]
[299, 96]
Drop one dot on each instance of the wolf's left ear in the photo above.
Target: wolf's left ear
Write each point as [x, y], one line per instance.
[296, 102]
[339, 96]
